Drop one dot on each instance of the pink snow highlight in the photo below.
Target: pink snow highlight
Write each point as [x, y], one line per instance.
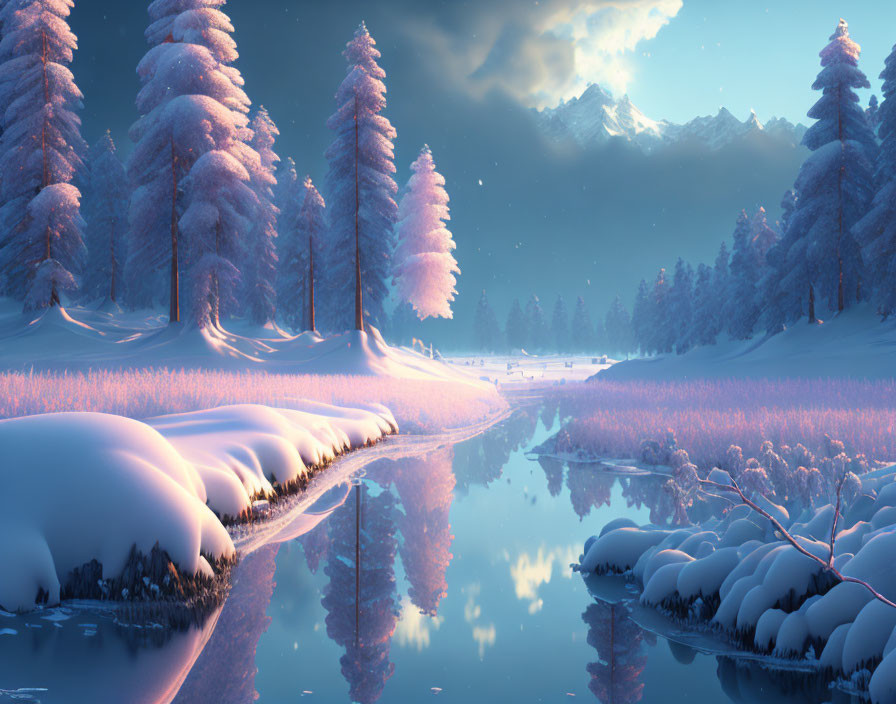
[418, 406]
[611, 419]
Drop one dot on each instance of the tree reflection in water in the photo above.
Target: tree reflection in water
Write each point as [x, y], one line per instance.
[622, 655]
[360, 598]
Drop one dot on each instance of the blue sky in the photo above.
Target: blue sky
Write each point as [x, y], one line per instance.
[744, 54]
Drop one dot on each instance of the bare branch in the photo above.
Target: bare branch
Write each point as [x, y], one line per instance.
[826, 565]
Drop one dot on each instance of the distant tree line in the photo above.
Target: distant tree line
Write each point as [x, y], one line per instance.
[531, 330]
[834, 246]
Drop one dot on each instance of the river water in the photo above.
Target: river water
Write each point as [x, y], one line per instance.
[445, 577]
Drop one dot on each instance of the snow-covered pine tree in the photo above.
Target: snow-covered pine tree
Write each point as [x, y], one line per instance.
[703, 330]
[872, 112]
[762, 236]
[876, 231]
[215, 227]
[662, 332]
[191, 102]
[742, 309]
[539, 335]
[618, 328]
[681, 306]
[41, 246]
[260, 269]
[106, 214]
[582, 329]
[788, 204]
[835, 186]
[360, 192]
[642, 315]
[310, 239]
[486, 332]
[424, 265]
[288, 196]
[517, 327]
[560, 326]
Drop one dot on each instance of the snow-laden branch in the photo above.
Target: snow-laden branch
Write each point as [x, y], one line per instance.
[827, 565]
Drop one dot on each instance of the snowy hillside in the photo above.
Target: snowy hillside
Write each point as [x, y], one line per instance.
[854, 344]
[596, 116]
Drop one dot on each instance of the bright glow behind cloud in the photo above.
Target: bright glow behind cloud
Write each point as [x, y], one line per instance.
[603, 33]
[549, 50]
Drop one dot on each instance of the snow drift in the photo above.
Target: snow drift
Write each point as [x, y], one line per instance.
[91, 486]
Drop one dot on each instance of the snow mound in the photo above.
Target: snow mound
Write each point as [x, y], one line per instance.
[91, 486]
[84, 486]
[755, 589]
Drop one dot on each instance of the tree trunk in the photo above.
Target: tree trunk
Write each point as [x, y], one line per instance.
[174, 310]
[45, 177]
[216, 290]
[311, 324]
[359, 303]
[812, 318]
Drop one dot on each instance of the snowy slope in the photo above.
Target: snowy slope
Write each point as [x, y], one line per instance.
[82, 338]
[594, 117]
[89, 486]
[856, 344]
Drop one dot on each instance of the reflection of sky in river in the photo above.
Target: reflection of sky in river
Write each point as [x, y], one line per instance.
[511, 624]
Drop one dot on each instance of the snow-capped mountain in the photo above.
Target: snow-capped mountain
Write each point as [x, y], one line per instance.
[595, 117]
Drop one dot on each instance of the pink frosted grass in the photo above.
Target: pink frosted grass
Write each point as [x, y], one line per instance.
[612, 418]
[417, 405]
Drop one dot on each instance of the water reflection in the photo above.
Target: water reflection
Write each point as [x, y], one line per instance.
[360, 598]
[431, 577]
[621, 650]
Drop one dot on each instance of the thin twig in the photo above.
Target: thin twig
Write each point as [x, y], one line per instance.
[826, 565]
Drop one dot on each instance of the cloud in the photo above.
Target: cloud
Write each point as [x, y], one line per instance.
[414, 628]
[529, 573]
[544, 51]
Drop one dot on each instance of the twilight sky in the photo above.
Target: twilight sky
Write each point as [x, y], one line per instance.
[461, 76]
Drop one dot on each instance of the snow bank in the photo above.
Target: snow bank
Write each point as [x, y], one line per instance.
[759, 592]
[91, 486]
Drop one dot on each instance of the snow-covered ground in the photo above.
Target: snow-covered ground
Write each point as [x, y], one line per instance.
[525, 368]
[90, 486]
[855, 344]
[88, 338]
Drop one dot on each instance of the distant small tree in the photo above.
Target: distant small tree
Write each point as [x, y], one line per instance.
[618, 328]
[106, 215]
[703, 331]
[560, 326]
[260, 270]
[582, 328]
[517, 327]
[742, 309]
[681, 306]
[662, 333]
[486, 331]
[642, 315]
[539, 336]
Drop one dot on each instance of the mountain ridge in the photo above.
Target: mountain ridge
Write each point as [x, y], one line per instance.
[595, 117]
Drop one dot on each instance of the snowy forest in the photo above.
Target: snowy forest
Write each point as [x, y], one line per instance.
[204, 218]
